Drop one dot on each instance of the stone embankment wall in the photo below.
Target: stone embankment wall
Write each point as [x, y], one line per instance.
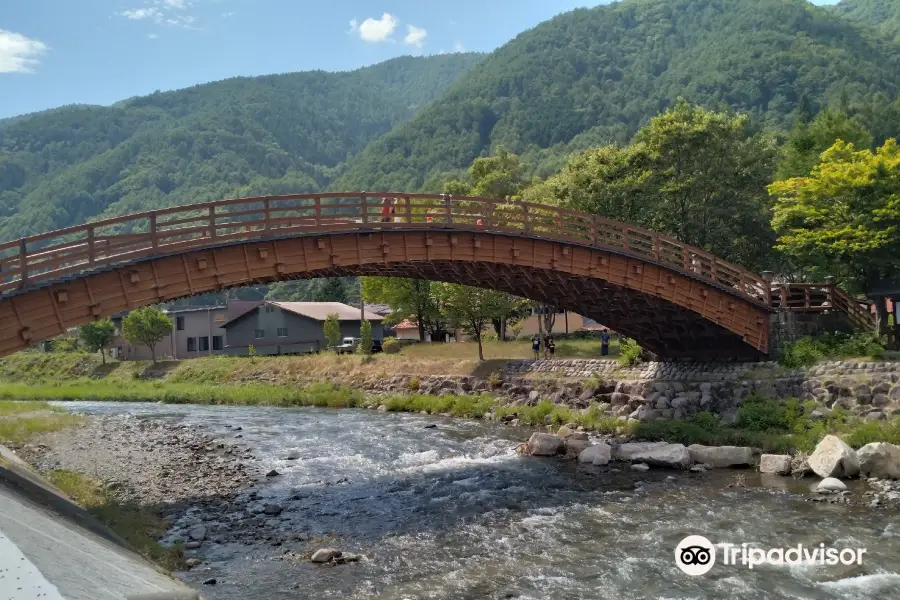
[674, 390]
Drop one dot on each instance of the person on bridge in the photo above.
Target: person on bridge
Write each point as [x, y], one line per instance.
[386, 210]
[604, 342]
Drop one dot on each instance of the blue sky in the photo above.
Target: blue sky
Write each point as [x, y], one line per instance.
[55, 52]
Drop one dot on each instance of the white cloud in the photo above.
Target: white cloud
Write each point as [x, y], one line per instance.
[228, 15]
[354, 26]
[152, 36]
[139, 14]
[378, 30]
[178, 4]
[458, 47]
[19, 54]
[415, 36]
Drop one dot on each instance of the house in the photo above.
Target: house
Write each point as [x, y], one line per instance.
[292, 327]
[406, 330]
[196, 331]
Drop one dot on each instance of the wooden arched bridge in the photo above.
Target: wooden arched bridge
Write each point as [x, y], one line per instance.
[675, 300]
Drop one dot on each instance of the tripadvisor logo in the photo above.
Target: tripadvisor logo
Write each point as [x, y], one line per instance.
[696, 555]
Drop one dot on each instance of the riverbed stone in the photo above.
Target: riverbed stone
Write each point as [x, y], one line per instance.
[193, 545]
[544, 444]
[640, 467]
[576, 445]
[272, 509]
[721, 456]
[197, 533]
[879, 459]
[667, 455]
[324, 555]
[834, 458]
[630, 449]
[775, 464]
[830, 484]
[598, 454]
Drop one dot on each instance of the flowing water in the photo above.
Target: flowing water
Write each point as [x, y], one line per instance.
[453, 513]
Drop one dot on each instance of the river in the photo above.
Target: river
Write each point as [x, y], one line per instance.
[452, 513]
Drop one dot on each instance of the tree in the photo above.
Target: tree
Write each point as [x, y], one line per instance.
[844, 218]
[501, 176]
[365, 338]
[807, 141]
[147, 326]
[97, 335]
[471, 308]
[332, 329]
[408, 299]
[696, 175]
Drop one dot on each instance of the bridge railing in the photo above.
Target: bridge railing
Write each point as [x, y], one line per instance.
[819, 297]
[117, 240]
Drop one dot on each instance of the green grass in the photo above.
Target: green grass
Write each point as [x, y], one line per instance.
[19, 421]
[139, 526]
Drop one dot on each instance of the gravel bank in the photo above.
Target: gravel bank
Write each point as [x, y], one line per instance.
[148, 462]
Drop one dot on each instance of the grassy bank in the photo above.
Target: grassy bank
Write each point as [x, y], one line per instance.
[22, 421]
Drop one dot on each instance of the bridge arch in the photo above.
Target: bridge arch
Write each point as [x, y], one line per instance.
[675, 300]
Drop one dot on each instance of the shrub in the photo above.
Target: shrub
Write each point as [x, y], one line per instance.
[803, 353]
[413, 384]
[629, 352]
[807, 351]
[390, 346]
[365, 338]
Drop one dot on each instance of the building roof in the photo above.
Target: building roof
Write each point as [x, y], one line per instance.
[188, 309]
[239, 308]
[320, 310]
[406, 324]
[379, 309]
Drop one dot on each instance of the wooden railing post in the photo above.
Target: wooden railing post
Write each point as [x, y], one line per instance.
[267, 214]
[489, 214]
[767, 277]
[408, 209]
[23, 263]
[526, 223]
[212, 222]
[317, 211]
[364, 207]
[90, 244]
[829, 291]
[154, 240]
[656, 246]
[447, 209]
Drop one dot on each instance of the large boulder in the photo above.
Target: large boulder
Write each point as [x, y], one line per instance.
[575, 445]
[775, 464]
[627, 451]
[598, 454]
[721, 456]
[834, 458]
[675, 456]
[545, 444]
[879, 459]
[830, 484]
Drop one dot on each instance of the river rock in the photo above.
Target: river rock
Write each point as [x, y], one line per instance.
[830, 484]
[210, 581]
[197, 534]
[775, 464]
[640, 467]
[193, 545]
[272, 509]
[598, 454]
[324, 555]
[721, 456]
[879, 459]
[273, 473]
[627, 451]
[667, 455]
[192, 562]
[576, 445]
[544, 444]
[834, 458]
[565, 432]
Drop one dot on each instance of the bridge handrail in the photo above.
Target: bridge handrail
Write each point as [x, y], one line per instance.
[821, 297]
[115, 240]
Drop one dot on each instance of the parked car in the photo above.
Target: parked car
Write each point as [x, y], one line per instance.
[347, 346]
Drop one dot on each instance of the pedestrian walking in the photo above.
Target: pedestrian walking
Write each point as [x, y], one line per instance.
[536, 345]
[604, 342]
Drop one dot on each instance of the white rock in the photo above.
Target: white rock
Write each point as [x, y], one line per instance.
[627, 451]
[667, 455]
[197, 534]
[640, 467]
[598, 454]
[879, 459]
[830, 484]
[721, 456]
[323, 555]
[775, 464]
[834, 458]
[544, 444]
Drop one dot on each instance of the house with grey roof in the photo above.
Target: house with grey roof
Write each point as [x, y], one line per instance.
[273, 328]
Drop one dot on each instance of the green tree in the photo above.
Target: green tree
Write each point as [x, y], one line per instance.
[365, 338]
[408, 299]
[844, 218]
[147, 326]
[332, 329]
[97, 335]
[696, 175]
[472, 309]
[807, 141]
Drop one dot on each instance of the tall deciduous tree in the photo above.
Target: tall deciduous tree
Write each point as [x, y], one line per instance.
[97, 335]
[408, 299]
[471, 308]
[697, 175]
[807, 141]
[501, 176]
[332, 329]
[844, 218]
[147, 326]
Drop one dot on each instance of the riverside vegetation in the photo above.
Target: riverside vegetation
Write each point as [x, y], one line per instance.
[772, 425]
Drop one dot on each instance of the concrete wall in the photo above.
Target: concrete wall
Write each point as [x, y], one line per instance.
[303, 333]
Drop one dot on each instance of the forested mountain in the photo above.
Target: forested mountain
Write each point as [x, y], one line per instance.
[882, 15]
[594, 76]
[261, 135]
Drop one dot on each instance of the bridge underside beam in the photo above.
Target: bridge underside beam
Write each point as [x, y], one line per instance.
[666, 311]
